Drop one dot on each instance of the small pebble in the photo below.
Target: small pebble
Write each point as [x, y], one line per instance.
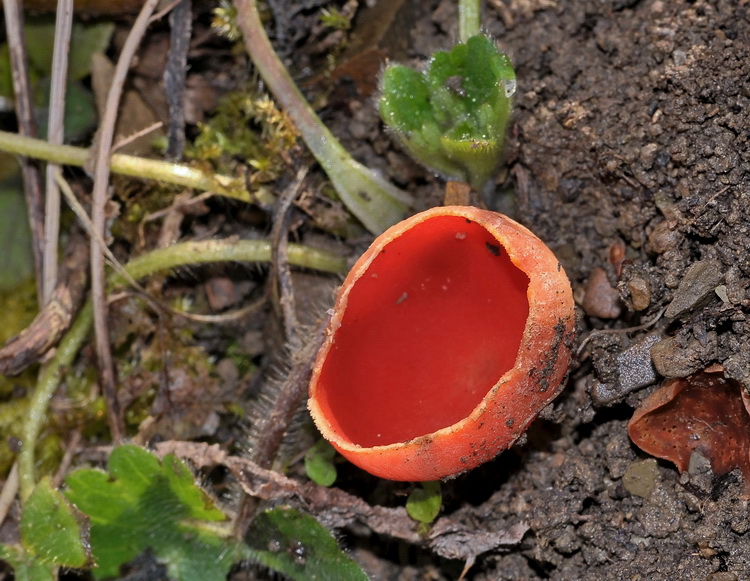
[640, 293]
[663, 238]
[698, 284]
[600, 299]
[634, 366]
[673, 359]
[641, 477]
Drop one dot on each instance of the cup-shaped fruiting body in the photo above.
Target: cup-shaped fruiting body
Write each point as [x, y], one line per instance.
[448, 337]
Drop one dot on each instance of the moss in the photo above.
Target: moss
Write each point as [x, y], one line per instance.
[19, 309]
[246, 126]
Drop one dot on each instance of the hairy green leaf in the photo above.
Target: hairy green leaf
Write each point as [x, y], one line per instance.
[52, 529]
[146, 504]
[452, 117]
[53, 535]
[298, 546]
[26, 567]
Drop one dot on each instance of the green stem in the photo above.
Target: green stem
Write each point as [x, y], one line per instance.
[374, 201]
[468, 19]
[139, 167]
[229, 251]
[181, 254]
[49, 379]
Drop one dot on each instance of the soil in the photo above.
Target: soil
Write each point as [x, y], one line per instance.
[628, 155]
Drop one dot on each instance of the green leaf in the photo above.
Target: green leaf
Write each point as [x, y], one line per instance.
[52, 530]
[17, 260]
[53, 535]
[26, 567]
[86, 39]
[319, 465]
[298, 546]
[453, 116]
[143, 503]
[424, 502]
[80, 110]
[407, 106]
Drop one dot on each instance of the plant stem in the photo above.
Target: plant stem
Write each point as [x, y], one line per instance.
[468, 19]
[229, 251]
[181, 254]
[49, 379]
[139, 167]
[373, 200]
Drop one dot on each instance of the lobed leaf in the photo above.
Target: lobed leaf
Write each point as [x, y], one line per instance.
[453, 116]
[297, 545]
[146, 504]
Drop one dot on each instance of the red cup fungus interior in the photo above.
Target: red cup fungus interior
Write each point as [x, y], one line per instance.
[428, 330]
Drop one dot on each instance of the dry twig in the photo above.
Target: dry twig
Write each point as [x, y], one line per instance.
[56, 315]
[336, 508]
[98, 217]
[55, 135]
[32, 181]
[180, 19]
[281, 276]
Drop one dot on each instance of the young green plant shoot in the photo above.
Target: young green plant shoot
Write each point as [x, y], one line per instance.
[448, 337]
[452, 117]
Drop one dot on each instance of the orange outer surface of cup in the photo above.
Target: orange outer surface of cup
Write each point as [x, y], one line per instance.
[518, 395]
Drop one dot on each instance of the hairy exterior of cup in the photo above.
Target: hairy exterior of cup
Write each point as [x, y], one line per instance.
[448, 337]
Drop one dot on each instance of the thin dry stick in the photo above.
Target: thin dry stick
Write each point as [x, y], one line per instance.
[54, 318]
[336, 508]
[55, 135]
[175, 75]
[281, 276]
[72, 447]
[8, 493]
[133, 136]
[32, 181]
[99, 195]
[94, 235]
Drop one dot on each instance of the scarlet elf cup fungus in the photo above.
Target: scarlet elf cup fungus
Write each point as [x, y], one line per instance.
[448, 337]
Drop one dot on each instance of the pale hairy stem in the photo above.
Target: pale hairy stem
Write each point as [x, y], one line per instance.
[468, 19]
